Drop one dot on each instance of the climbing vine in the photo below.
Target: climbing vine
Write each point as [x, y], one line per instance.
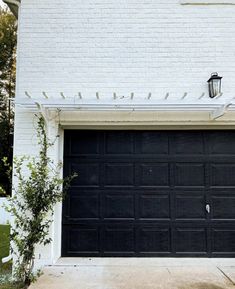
[38, 189]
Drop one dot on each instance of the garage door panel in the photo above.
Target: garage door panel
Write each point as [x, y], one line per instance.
[154, 174]
[119, 239]
[190, 143]
[122, 142]
[189, 174]
[84, 206]
[190, 240]
[119, 174]
[223, 240]
[89, 174]
[221, 143]
[223, 206]
[190, 205]
[83, 239]
[222, 175]
[154, 206]
[119, 205]
[153, 239]
[152, 143]
[87, 144]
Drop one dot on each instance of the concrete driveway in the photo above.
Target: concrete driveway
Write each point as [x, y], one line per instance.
[141, 273]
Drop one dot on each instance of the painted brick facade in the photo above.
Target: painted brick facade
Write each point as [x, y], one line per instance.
[124, 46]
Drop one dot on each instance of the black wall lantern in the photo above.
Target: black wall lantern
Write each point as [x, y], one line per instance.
[214, 84]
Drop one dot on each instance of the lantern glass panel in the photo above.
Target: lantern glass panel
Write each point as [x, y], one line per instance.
[216, 86]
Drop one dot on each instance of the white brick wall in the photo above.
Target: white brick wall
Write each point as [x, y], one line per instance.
[124, 46]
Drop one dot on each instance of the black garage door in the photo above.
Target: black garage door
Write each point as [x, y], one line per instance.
[150, 193]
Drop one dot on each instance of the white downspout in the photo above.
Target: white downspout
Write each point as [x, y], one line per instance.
[6, 259]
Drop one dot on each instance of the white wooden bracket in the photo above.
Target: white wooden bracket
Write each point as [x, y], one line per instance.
[51, 120]
[44, 112]
[220, 111]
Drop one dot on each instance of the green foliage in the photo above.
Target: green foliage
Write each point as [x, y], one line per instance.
[4, 246]
[8, 173]
[11, 286]
[5, 269]
[39, 188]
[8, 27]
[8, 38]
[4, 241]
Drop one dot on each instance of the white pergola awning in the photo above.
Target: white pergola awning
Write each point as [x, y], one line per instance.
[216, 106]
